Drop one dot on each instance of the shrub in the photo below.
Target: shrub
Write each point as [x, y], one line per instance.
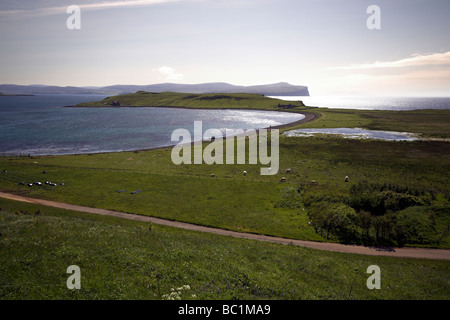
[333, 218]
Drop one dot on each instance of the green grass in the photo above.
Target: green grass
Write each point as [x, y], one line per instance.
[426, 123]
[251, 203]
[122, 259]
[230, 200]
[127, 260]
[189, 100]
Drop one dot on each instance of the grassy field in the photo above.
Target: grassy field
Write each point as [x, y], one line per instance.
[122, 259]
[255, 203]
[229, 200]
[127, 260]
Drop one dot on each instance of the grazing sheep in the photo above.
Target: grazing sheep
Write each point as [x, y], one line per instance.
[30, 184]
[212, 175]
[313, 183]
[283, 179]
[346, 179]
[288, 170]
[245, 173]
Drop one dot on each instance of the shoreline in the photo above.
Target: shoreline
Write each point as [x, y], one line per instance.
[309, 116]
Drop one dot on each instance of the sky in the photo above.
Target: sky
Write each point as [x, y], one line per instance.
[323, 44]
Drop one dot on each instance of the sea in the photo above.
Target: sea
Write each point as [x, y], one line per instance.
[44, 125]
[372, 102]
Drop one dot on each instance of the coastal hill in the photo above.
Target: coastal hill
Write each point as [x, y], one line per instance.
[276, 89]
[195, 100]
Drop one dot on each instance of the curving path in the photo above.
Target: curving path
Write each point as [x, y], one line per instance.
[424, 253]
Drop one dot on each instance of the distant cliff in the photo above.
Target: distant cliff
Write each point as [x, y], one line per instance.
[276, 89]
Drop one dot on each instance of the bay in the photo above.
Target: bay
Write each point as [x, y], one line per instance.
[41, 125]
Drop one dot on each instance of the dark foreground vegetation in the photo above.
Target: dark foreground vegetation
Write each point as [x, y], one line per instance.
[378, 214]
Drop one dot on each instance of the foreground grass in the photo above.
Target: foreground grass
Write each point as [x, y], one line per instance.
[131, 260]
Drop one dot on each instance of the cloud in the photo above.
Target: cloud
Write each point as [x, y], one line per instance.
[412, 82]
[88, 6]
[130, 3]
[413, 61]
[169, 74]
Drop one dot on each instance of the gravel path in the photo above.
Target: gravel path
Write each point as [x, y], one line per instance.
[424, 253]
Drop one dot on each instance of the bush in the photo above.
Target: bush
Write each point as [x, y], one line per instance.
[333, 218]
[379, 199]
[374, 214]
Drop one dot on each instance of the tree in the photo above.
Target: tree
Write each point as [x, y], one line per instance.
[333, 218]
[364, 221]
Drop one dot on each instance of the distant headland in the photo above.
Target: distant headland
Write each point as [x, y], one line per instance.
[275, 89]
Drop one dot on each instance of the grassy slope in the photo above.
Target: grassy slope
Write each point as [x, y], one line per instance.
[188, 100]
[229, 200]
[122, 259]
[131, 260]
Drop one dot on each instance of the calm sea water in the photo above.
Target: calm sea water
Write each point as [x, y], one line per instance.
[374, 103]
[40, 125]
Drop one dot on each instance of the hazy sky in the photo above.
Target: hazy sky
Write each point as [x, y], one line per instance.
[323, 44]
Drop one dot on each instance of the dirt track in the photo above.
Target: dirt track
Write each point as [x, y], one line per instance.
[424, 253]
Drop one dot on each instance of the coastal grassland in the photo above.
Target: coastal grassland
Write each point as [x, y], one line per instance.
[122, 259]
[189, 100]
[254, 203]
[403, 179]
[425, 123]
